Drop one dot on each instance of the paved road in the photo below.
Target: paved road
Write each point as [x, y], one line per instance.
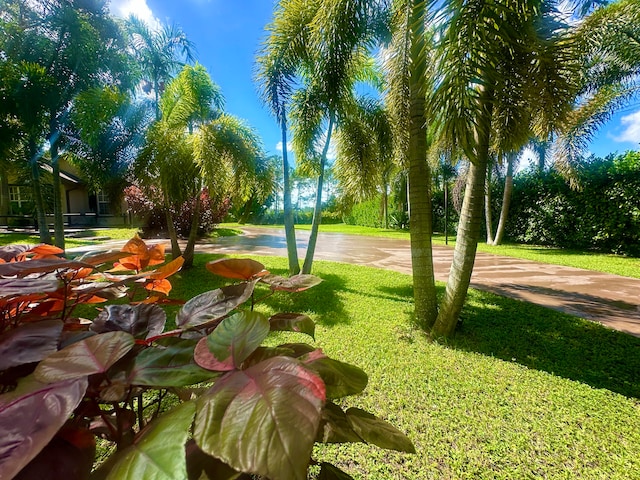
[609, 299]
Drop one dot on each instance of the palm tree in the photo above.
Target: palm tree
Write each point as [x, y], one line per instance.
[194, 145]
[492, 78]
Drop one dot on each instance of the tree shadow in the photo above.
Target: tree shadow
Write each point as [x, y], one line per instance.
[546, 340]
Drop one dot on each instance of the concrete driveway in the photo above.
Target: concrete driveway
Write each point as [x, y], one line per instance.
[609, 299]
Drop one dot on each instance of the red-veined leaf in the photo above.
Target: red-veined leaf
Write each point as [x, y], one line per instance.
[293, 322]
[238, 336]
[296, 283]
[158, 452]
[92, 355]
[30, 419]
[205, 359]
[378, 432]
[276, 403]
[28, 343]
[213, 305]
[241, 268]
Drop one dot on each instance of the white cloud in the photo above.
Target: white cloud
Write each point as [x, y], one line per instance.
[279, 147]
[138, 8]
[631, 125]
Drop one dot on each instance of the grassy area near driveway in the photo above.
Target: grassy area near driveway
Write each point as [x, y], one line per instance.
[520, 392]
[614, 264]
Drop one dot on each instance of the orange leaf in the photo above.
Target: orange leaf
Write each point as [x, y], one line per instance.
[44, 249]
[241, 268]
[156, 254]
[136, 246]
[162, 286]
[167, 270]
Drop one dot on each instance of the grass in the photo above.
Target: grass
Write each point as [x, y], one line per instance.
[614, 264]
[520, 392]
[70, 242]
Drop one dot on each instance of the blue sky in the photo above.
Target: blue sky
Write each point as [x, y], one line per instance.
[228, 33]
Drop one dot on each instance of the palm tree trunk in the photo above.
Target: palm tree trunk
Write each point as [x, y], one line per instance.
[289, 228]
[45, 236]
[246, 211]
[487, 207]
[189, 250]
[171, 228]
[419, 177]
[58, 218]
[317, 211]
[385, 206]
[506, 200]
[469, 226]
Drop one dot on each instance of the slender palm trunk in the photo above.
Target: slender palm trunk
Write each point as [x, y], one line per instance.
[43, 228]
[419, 177]
[58, 218]
[488, 216]
[506, 200]
[317, 211]
[289, 228]
[385, 206]
[469, 227]
[189, 250]
[171, 228]
[446, 212]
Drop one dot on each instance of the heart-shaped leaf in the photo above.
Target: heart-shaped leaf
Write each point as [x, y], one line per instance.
[238, 336]
[28, 421]
[169, 365]
[293, 322]
[213, 305]
[262, 420]
[378, 432]
[141, 321]
[92, 355]
[241, 268]
[296, 283]
[264, 353]
[341, 378]
[205, 359]
[167, 270]
[331, 472]
[31, 342]
[158, 453]
[335, 427]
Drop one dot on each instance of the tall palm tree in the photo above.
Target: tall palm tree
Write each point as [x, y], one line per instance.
[492, 76]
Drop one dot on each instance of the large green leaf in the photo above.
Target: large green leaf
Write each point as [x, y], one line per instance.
[28, 343]
[238, 336]
[92, 355]
[169, 365]
[158, 453]
[28, 421]
[378, 432]
[331, 472]
[263, 419]
[201, 466]
[341, 378]
[335, 427]
[141, 321]
[213, 305]
[293, 322]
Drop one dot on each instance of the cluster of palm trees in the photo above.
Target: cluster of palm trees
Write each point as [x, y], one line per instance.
[471, 80]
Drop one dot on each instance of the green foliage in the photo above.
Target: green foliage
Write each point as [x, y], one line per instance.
[249, 408]
[604, 214]
[366, 214]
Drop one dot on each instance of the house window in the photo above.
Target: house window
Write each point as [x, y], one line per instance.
[103, 204]
[20, 200]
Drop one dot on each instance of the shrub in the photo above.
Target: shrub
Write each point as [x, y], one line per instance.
[205, 400]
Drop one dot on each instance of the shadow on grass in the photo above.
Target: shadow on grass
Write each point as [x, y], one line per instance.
[546, 340]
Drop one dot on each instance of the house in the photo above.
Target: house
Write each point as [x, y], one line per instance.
[81, 207]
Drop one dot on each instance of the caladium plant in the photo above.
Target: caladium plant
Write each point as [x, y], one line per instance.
[206, 400]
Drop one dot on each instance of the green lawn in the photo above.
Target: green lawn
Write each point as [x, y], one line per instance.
[520, 392]
[614, 264]
[70, 242]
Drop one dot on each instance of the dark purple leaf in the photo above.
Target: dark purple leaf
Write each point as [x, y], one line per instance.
[299, 349]
[378, 432]
[141, 321]
[42, 265]
[240, 268]
[201, 466]
[297, 283]
[158, 452]
[335, 427]
[238, 336]
[331, 472]
[293, 322]
[30, 419]
[11, 252]
[340, 378]
[92, 355]
[30, 342]
[17, 287]
[213, 305]
[264, 353]
[105, 290]
[262, 420]
[169, 365]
